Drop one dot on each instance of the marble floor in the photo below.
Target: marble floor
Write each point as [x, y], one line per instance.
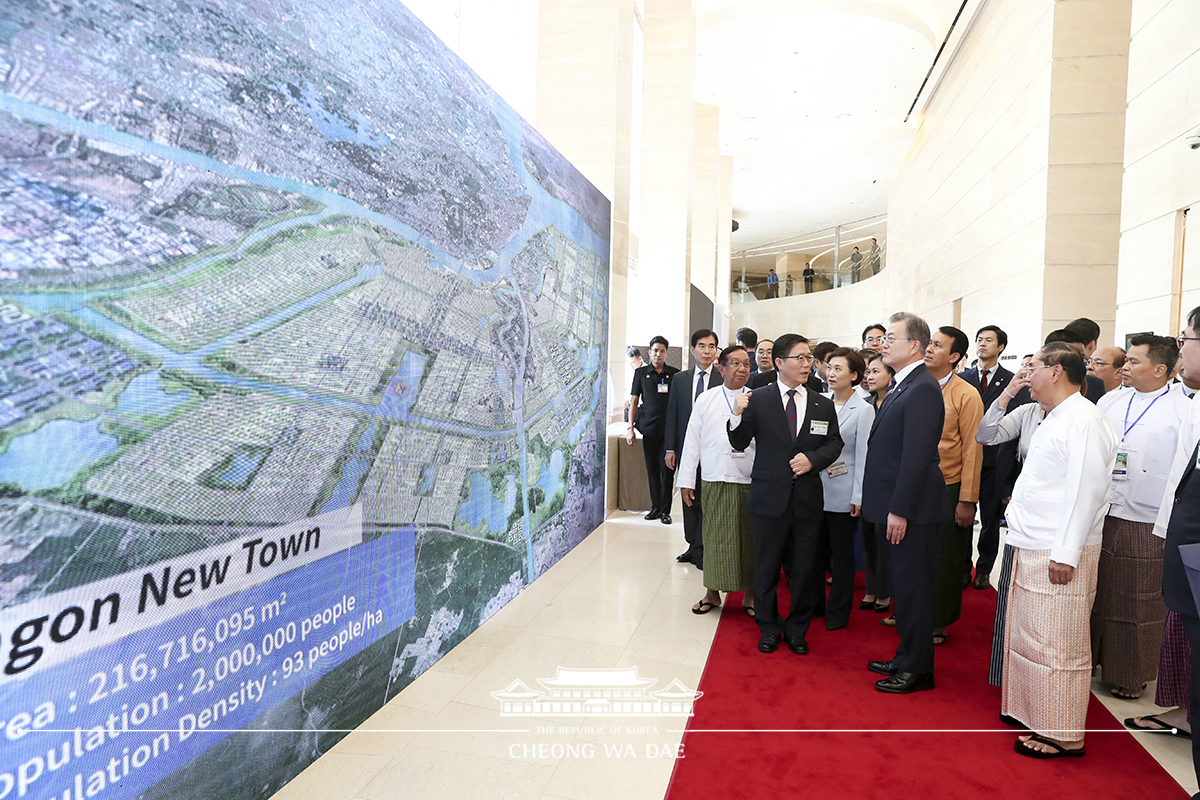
[619, 599]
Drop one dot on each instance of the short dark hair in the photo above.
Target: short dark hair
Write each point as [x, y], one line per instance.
[857, 363]
[633, 352]
[1193, 318]
[874, 326]
[1119, 358]
[703, 333]
[1001, 336]
[660, 340]
[821, 350]
[959, 344]
[1067, 357]
[723, 359]
[1086, 328]
[784, 345]
[1064, 335]
[1160, 349]
[747, 336]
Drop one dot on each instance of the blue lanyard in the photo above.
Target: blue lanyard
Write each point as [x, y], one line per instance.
[739, 391]
[1129, 427]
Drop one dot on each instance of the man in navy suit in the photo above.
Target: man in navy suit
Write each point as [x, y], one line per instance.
[903, 490]
[998, 460]
[796, 436]
[686, 386]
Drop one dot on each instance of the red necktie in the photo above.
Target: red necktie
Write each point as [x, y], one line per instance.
[791, 412]
[983, 381]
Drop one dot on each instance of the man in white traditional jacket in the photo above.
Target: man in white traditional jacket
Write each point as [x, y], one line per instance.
[725, 529]
[1127, 619]
[1055, 524]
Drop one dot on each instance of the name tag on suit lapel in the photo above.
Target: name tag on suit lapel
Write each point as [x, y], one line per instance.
[819, 427]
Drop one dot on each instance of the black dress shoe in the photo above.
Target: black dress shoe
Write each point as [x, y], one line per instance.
[982, 580]
[665, 519]
[905, 683]
[834, 626]
[683, 558]
[654, 514]
[883, 667]
[769, 643]
[797, 645]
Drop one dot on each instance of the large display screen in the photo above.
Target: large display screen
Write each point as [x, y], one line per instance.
[302, 351]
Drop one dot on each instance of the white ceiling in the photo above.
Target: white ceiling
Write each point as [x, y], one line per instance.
[813, 96]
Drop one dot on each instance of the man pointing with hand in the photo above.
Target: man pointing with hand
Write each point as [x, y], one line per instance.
[796, 436]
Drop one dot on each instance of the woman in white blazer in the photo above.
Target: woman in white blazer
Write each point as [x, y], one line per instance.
[842, 481]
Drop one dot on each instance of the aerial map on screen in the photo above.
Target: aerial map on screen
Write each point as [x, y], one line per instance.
[302, 338]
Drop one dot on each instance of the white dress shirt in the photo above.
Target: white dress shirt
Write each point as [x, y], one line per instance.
[707, 444]
[1061, 498]
[801, 405]
[1147, 426]
[708, 378]
[1189, 433]
[998, 427]
[1181, 387]
[904, 373]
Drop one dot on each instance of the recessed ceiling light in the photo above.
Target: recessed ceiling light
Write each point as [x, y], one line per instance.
[843, 116]
[752, 119]
[752, 139]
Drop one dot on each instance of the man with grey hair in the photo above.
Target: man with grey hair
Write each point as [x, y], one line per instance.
[1055, 525]
[904, 491]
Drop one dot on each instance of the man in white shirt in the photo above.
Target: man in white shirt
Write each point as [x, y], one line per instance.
[1179, 520]
[1055, 524]
[725, 527]
[1127, 619]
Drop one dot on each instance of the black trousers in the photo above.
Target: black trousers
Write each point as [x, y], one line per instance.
[1191, 627]
[693, 523]
[772, 537]
[808, 283]
[838, 532]
[875, 554]
[660, 476]
[989, 522]
[910, 574]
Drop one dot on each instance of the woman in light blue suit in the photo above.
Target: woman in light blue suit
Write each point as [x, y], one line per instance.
[843, 480]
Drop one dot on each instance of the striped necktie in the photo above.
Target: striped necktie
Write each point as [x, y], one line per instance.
[791, 412]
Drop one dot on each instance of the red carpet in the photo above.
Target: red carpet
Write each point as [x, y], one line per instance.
[831, 690]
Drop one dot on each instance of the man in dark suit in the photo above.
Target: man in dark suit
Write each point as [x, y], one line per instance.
[686, 386]
[903, 490]
[1179, 515]
[796, 436]
[998, 460]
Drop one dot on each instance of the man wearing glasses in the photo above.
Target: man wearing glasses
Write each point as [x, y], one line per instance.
[795, 432]
[1179, 518]
[1055, 525]
[1106, 364]
[725, 525]
[904, 491]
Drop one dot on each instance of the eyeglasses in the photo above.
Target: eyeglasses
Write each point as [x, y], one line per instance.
[873, 340]
[738, 364]
[801, 359]
[892, 339]
[1183, 339]
[1093, 362]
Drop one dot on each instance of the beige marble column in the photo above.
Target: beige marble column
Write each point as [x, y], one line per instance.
[659, 296]
[1089, 72]
[706, 202]
[724, 248]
